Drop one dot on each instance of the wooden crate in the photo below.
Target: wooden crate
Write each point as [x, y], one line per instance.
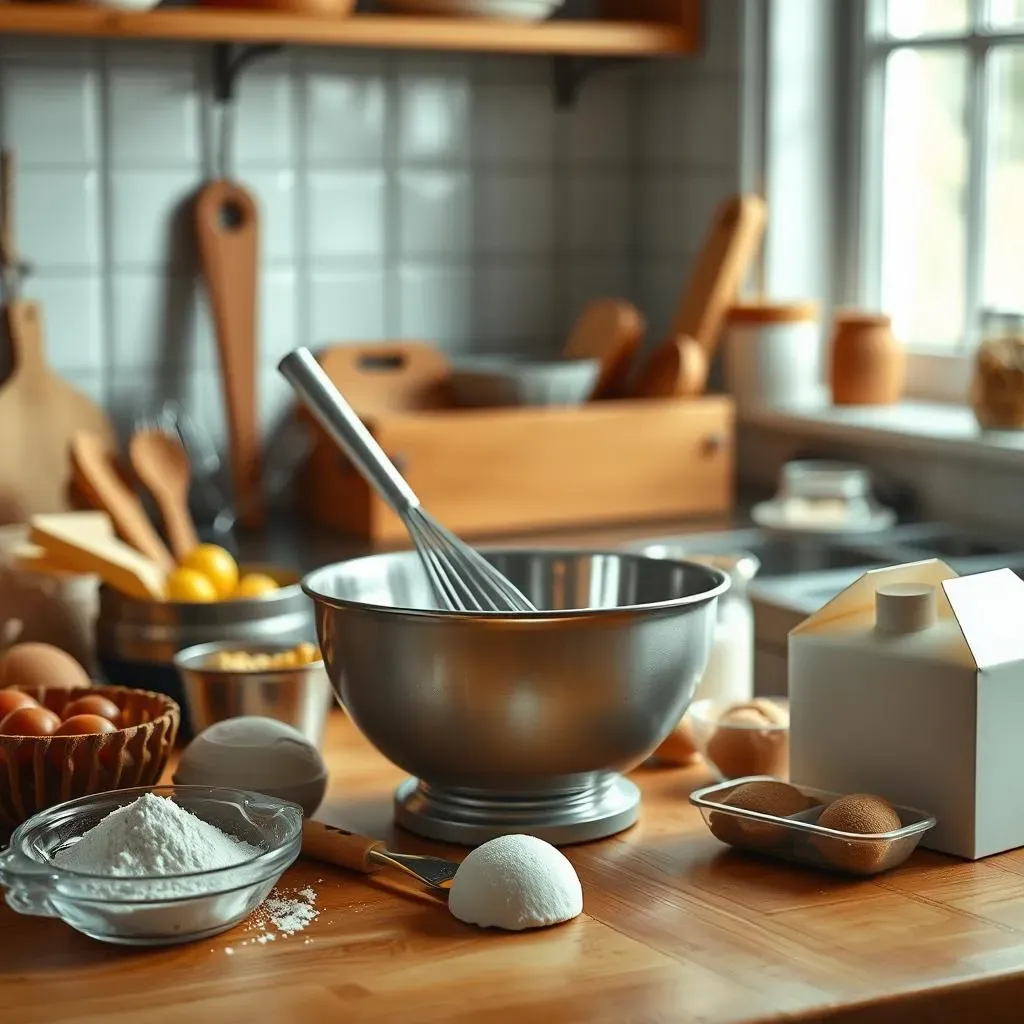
[493, 471]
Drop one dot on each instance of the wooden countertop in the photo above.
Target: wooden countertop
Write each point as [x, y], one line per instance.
[675, 929]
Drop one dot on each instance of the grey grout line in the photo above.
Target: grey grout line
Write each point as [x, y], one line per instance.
[105, 194]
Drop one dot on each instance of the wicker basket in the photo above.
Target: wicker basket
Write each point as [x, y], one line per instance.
[38, 772]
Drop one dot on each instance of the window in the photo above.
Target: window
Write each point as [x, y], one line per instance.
[941, 194]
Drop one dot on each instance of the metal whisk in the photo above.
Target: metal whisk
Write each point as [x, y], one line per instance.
[462, 580]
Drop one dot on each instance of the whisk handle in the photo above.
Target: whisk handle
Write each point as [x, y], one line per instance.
[339, 419]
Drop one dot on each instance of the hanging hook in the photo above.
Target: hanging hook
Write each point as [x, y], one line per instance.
[229, 61]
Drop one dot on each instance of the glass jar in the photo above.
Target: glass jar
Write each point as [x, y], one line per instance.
[997, 388]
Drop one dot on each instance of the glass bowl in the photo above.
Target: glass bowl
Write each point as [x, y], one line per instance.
[737, 748]
[151, 911]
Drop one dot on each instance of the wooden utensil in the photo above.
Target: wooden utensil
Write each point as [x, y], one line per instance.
[227, 232]
[357, 853]
[610, 330]
[162, 465]
[83, 551]
[725, 257]
[38, 559]
[99, 480]
[678, 368]
[39, 412]
[388, 377]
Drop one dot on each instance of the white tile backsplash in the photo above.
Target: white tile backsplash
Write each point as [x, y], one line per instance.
[58, 218]
[73, 320]
[345, 118]
[433, 196]
[346, 213]
[516, 213]
[154, 115]
[434, 117]
[436, 304]
[347, 305]
[435, 213]
[54, 110]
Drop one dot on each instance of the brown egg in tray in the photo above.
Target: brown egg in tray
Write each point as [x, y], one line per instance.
[856, 834]
[64, 742]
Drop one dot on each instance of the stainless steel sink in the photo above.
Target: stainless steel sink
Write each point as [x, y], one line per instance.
[799, 574]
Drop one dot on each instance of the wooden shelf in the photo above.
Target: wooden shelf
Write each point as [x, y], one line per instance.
[594, 38]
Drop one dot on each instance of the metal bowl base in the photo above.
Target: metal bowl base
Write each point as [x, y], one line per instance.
[472, 817]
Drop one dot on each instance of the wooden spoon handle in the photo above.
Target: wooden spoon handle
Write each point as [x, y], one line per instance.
[99, 482]
[181, 531]
[228, 238]
[340, 847]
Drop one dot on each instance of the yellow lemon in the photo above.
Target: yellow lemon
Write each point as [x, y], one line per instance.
[190, 585]
[216, 565]
[255, 584]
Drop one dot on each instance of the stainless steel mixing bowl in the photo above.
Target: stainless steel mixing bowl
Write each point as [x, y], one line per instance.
[518, 723]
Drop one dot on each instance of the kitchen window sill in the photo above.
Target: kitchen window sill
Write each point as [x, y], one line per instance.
[911, 426]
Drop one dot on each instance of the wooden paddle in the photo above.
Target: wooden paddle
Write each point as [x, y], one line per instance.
[39, 412]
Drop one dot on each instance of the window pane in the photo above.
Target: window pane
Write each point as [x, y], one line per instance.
[1004, 13]
[908, 19]
[1004, 249]
[924, 180]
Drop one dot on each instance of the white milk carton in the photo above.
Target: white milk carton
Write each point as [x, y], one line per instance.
[910, 685]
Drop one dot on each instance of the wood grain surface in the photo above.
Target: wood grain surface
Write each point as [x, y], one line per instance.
[675, 929]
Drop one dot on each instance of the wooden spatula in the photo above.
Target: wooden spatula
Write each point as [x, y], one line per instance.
[98, 478]
[162, 465]
[227, 232]
[39, 412]
[85, 551]
[610, 330]
[726, 255]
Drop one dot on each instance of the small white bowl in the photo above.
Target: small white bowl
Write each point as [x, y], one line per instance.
[507, 380]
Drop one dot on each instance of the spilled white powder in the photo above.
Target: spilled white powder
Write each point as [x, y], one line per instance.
[154, 837]
[284, 912]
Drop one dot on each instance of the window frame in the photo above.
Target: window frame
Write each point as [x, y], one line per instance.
[933, 374]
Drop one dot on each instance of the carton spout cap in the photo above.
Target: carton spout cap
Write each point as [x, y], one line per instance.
[902, 608]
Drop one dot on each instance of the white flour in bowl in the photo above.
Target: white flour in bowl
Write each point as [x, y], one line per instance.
[154, 837]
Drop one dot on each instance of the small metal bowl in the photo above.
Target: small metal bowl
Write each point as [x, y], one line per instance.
[299, 696]
[151, 911]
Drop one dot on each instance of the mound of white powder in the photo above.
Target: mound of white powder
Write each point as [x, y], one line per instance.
[153, 837]
[514, 883]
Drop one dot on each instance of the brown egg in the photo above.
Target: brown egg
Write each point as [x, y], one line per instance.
[11, 700]
[35, 721]
[768, 797]
[751, 739]
[85, 725]
[678, 748]
[861, 814]
[32, 664]
[93, 704]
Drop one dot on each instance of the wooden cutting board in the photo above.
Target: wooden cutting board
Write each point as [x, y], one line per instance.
[39, 415]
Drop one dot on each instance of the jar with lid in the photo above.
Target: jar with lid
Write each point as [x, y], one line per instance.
[772, 354]
[997, 387]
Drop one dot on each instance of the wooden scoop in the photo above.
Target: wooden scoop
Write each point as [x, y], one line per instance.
[98, 478]
[86, 551]
[161, 463]
[357, 853]
[678, 368]
[609, 330]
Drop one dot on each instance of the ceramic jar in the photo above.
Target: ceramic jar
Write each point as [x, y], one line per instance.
[868, 364]
[772, 354]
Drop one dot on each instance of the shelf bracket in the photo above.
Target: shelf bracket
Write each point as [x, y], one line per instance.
[230, 60]
[570, 72]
